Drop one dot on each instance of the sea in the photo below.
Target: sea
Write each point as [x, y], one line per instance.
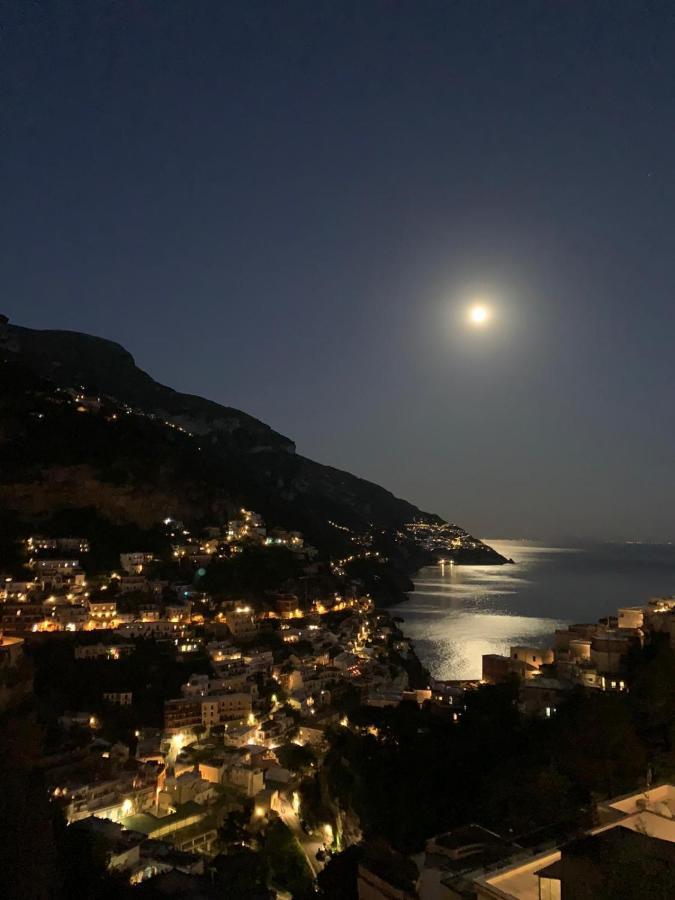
[458, 613]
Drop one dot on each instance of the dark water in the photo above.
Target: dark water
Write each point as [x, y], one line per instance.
[457, 613]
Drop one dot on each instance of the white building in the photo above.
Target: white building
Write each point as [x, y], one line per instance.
[241, 624]
[249, 779]
[222, 707]
[136, 562]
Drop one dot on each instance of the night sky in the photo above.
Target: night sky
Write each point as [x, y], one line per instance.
[288, 206]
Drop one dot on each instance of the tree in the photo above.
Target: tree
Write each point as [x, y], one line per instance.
[595, 744]
[523, 796]
[83, 859]
[241, 873]
[234, 829]
[314, 810]
[288, 866]
[251, 572]
[338, 879]
[652, 693]
[40, 857]
[27, 856]
[295, 757]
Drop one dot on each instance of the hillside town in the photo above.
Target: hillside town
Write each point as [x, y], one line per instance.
[249, 691]
[186, 727]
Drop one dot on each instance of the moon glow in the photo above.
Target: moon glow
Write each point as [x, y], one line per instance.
[478, 314]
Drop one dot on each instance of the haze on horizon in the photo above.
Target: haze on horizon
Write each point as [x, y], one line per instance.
[292, 208]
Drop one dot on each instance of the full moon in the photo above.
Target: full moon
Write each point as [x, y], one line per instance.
[478, 314]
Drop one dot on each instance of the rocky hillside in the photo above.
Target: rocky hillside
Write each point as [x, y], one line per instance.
[135, 450]
[99, 366]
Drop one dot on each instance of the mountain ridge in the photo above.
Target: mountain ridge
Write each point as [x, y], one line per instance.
[210, 459]
[76, 359]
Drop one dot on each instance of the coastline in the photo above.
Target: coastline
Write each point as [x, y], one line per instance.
[400, 584]
[455, 619]
[418, 674]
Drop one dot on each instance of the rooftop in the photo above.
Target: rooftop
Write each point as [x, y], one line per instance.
[466, 834]
[659, 799]
[147, 823]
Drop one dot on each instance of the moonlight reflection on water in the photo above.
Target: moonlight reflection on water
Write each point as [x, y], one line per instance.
[458, 613]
